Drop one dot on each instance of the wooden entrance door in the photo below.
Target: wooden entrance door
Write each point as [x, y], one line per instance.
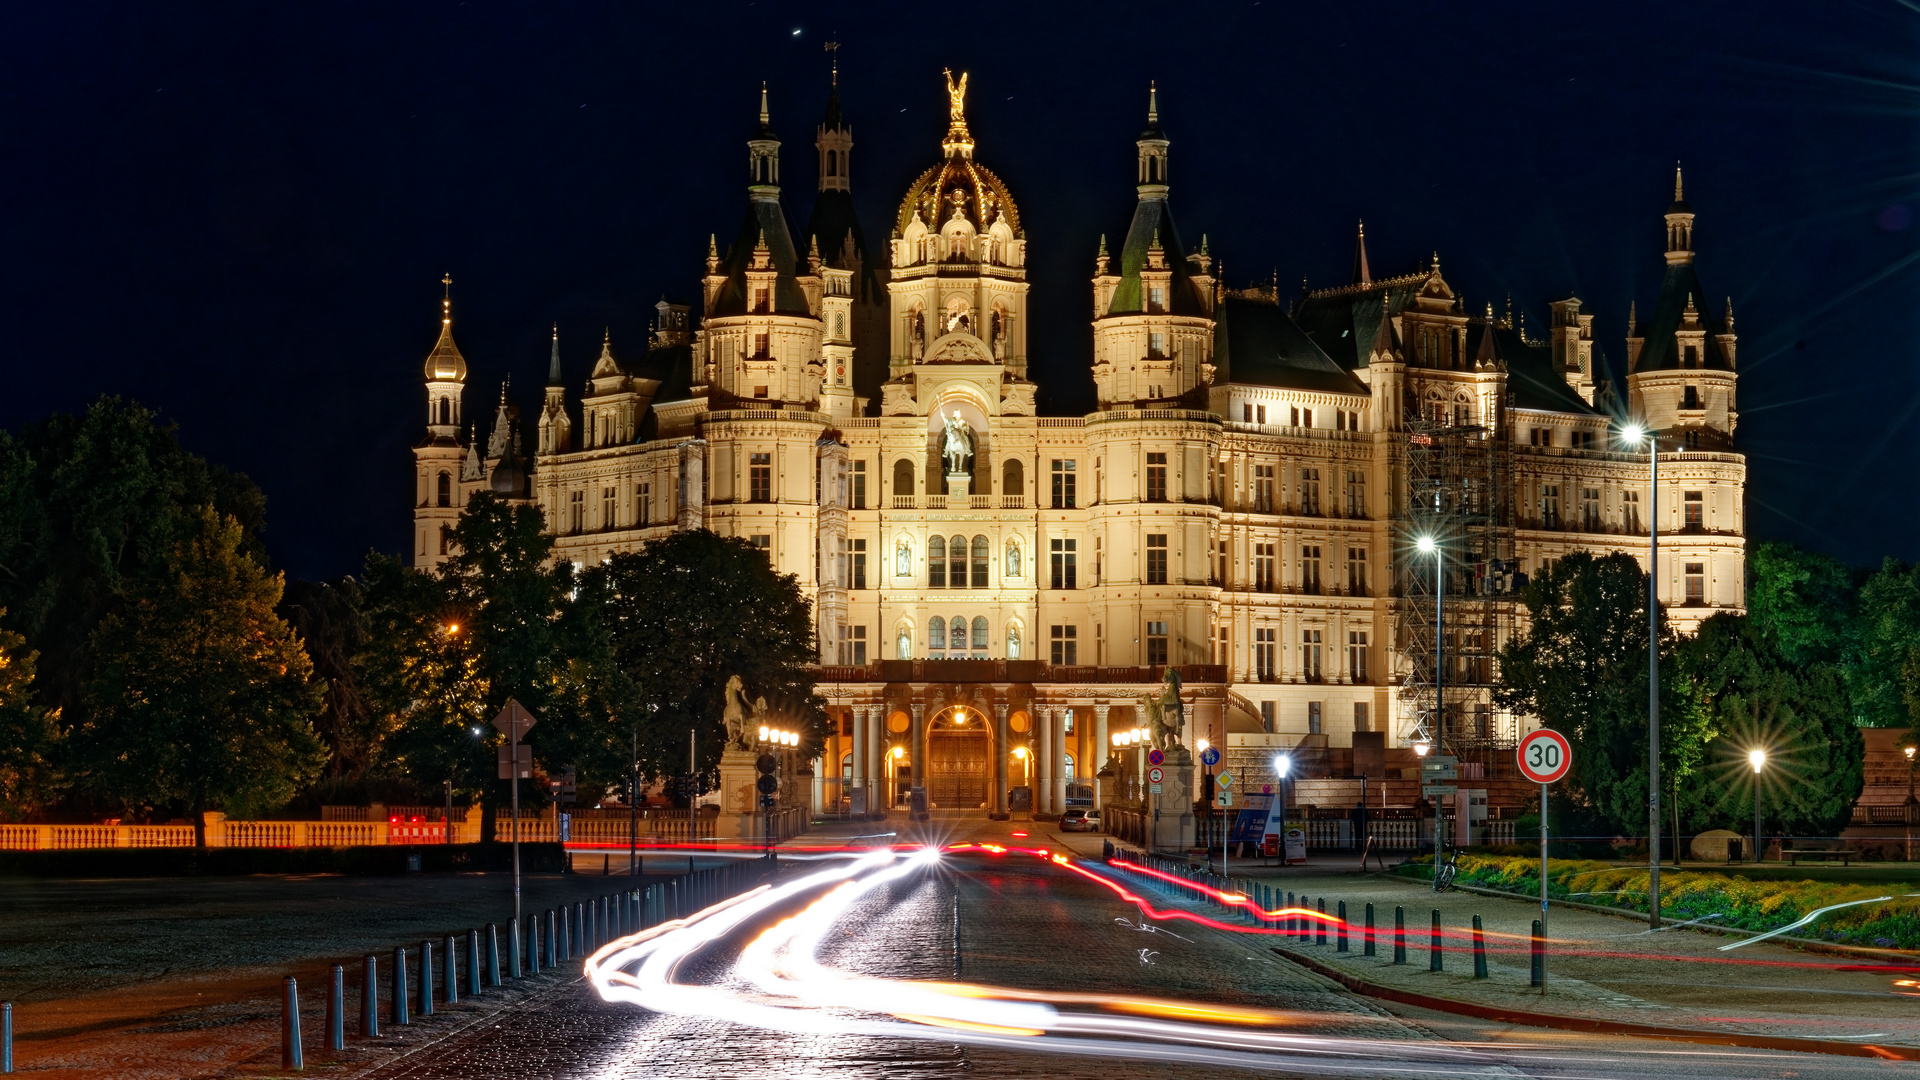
[957, 773]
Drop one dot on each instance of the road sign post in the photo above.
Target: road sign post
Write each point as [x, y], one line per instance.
[513, 722]
[1545, 756]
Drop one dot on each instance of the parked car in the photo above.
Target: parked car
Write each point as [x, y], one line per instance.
[1079, 819]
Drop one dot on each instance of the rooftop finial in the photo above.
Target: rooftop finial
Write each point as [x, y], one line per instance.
[764, 118]
[1153, 103]
[446, 301]
[1678, 188]
[1362, 274]
[833, 51]
[957, 140]
[553, 359]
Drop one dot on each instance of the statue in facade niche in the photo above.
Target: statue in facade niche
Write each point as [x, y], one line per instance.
[903, 558]
[917, 334]
[1013, 559]
[957, 445]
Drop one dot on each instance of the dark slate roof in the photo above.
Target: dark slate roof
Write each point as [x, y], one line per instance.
[1153, 217]
[1532, 381]
[833, 221]
[1660, 353]
[1257, 344]
[669, 365]
[1343, 323]
[765, 217]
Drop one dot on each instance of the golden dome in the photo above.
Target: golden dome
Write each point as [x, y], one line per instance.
[445, 363]
[958, 186]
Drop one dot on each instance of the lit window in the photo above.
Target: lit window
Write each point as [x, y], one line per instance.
[1156, 558]
[1156, 643]
[1696, 583]
[1696, 506]
[1063, 484]
[1064, 560]
[760, 478]
[1156, 478]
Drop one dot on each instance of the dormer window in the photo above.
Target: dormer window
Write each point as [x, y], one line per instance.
[1157, 298]
[761, 300]
[761, 346]
[1693, 357]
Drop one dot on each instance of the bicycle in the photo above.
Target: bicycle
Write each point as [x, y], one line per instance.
[1443, 877]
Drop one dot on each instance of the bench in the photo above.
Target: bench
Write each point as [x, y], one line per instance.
[1824, 854]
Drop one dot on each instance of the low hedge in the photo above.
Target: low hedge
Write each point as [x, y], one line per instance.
[354, 861]
[1741, 902]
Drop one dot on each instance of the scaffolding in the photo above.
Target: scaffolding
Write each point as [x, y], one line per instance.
[1459, 493]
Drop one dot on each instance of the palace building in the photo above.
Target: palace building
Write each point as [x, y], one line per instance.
[1276, 495]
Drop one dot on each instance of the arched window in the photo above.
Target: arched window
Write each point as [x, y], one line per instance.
[446, 411]
[846, 766]
[1069, 766]
[980, 643]
[936, 634]
[1013, 478]
[833, 163]
[446, 490]
[903, 479]
[957, 634]
[982, 555]
[936, 565]
[957, 562]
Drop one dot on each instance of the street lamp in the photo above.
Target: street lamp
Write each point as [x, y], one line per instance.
[1758, 759]
[1908, 813]
[1632, 434]
[1428, 545]
[1282, 765]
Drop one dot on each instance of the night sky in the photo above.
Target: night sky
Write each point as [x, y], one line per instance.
[239, 214]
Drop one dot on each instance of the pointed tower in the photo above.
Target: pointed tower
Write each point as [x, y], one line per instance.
[762, 327]
[1153, 338]
[1680, 377]
[1362, 275]
[438, 493]
[853, 304]
[556, 427]
[1572, 339]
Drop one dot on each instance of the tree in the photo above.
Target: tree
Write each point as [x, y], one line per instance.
[688, 611]
[1883, 677]
[328, 618]
[1745, 693]
[1802, 604]
[26, 731]
[201, 696]
[91, 506]
[1582, 669]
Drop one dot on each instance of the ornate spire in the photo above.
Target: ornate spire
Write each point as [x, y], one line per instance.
[958, 141]
[1361, 275]
[765, 119]
[1729, 314]
[444, 363]
[553, 360]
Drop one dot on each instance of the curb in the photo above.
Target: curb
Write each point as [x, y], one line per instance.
[1595, 1026]
[1808, 944]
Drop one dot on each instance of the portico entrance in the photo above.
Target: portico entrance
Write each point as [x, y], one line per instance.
[958, 766]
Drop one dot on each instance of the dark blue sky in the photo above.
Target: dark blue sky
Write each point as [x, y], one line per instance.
[239, 214]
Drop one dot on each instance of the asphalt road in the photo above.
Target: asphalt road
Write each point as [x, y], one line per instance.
[1016, 924]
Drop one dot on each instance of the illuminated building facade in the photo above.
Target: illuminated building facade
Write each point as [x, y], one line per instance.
[1243, 503]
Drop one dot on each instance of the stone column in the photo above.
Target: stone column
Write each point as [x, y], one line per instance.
[1058, 791]
[861, 748]
[917, 745]
[877, 767]
[1042, 759]
[1101, 748]
[1000, 750]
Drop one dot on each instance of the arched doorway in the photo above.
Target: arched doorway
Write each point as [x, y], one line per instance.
[957, 762]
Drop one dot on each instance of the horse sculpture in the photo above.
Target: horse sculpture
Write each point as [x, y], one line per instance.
[1166, 713]
[739, 734]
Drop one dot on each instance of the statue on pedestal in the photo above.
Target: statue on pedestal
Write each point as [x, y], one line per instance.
[957, 444]
[1166, 713]
[739, 729]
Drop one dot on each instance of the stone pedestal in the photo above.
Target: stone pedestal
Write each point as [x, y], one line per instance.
[1172, 818]
[959, 485]
[740, 813]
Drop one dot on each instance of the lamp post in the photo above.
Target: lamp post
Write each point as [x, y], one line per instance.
[1632, 435]
[1430, 546]
[1207, 772]
[1908, 815]
[1282, 765]
[1758, 759]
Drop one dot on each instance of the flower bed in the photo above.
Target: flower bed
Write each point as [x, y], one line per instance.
[1740, 902]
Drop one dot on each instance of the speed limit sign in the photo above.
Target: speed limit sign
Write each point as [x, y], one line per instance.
[1545, 756]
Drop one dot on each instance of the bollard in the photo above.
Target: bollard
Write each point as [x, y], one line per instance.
[1366, 934]
[1434, 959]
[6, 1036]
[1533, 968]
[579, 930]
[370, 997]
[1320, 925]
[400, 993]
[1479, 950]
[473, 963]
[493, 955]
[1340, 931]
[451, 993]
[1291, 919]
[533, 944]
[1399, 934]
[553, 939]
[290, 1053]
[565, 941]
[337, 1008]
[592, 939]
[513, 949]
[426, 978]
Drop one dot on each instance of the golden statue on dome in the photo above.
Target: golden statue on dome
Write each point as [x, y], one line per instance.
[957, 138]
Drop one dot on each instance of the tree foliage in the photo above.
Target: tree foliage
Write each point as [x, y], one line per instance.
[201, 696]
[27, 731]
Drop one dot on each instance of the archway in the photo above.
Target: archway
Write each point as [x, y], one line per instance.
[958, 772]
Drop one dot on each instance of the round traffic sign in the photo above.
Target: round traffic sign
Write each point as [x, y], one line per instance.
[1156, 757]
[1154, 775]
[1210, 756]
[1545, 756]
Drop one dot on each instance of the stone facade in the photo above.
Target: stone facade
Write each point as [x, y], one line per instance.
[1243, 504]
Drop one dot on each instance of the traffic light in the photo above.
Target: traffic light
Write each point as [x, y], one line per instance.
[768, 765]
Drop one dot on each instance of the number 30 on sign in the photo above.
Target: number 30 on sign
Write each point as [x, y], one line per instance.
[1545, 756]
